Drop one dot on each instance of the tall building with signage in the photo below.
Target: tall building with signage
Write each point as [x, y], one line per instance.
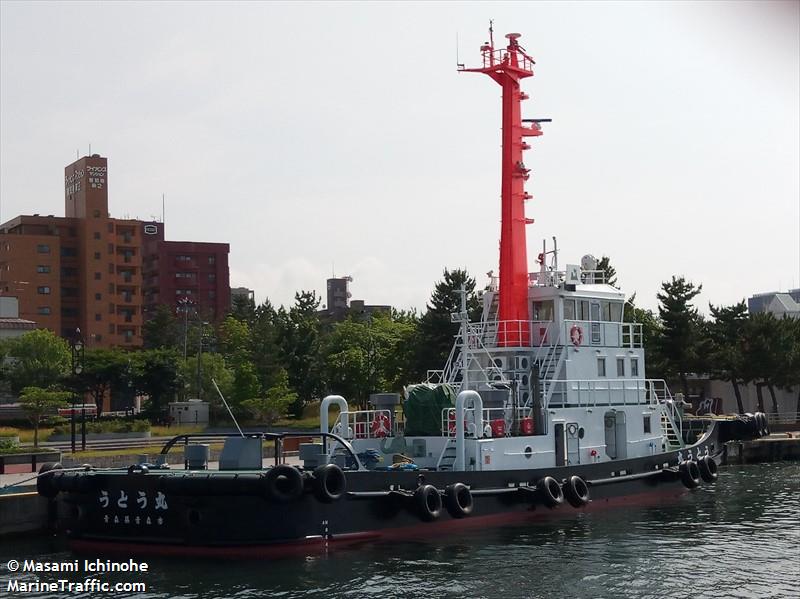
[87, 270]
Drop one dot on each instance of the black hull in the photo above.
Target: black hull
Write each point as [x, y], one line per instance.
[236, 519]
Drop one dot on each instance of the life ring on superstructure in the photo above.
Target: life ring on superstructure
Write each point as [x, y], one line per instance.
[576, 335]
[576, 491]
[381, 426]
[458, 500]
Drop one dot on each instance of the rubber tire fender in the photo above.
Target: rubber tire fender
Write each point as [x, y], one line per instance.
[44, 484]
[576, 491]
[283, 483]
[690, 474]
[428, 502]
[458, 500]
[329, 483]
[708, 468]
[551, 492]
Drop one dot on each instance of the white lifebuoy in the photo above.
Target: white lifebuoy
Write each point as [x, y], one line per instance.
[576, 335]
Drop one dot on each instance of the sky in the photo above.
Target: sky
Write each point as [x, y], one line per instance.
[339, 138]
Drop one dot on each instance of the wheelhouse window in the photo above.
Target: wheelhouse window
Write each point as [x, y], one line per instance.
[601, 366]
[616, 312]
[634, 366]
[543, 310]
[595, 312]
[620, 367]
[569, 309]
[646, 421]
[583, 310]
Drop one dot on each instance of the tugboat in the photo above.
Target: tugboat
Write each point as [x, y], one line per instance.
[542, 409]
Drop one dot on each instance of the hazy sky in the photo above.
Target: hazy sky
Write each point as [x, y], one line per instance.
[338, 137]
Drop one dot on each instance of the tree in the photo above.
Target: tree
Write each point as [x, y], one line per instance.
[104, 370]
[211, 366]
[244, 309]
[680, 338]
[38, 403]
[163, 329]
[609, 272]
[436, 331]
[36, 359]
[299, 338]
[726, 336]
[275, 404]
[265, 350]
[157, 375]
[766, 347]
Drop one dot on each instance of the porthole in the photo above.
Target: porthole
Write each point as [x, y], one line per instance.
[528, 452]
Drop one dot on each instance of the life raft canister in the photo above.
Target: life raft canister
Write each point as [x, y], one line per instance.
[576, 335]
[381, 425]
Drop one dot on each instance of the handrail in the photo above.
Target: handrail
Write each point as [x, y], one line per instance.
[276, 437]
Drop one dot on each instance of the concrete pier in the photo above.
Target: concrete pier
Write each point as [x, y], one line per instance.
[776, 447]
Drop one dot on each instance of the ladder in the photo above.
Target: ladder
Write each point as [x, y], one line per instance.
[448, 456]
[671, 438]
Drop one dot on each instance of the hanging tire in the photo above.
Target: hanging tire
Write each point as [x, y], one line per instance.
[283, 484]
[576, 491]
[763, 428]
[551, 491]
[690, 474]
[330, 483]
[44, 484]
[428, 502]
[458, 500]
[708, 468]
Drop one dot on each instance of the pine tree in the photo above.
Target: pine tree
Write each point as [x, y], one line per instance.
[680, 338]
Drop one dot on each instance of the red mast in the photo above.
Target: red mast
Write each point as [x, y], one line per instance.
[507, 67]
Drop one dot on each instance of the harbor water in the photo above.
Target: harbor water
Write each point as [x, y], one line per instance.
[737, 538]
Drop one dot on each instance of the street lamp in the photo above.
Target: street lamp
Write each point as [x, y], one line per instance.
[77, 368]
[184, 304]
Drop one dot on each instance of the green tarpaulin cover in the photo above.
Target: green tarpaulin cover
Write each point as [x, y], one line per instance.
[423, 408]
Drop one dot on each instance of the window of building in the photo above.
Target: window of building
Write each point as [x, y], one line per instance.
[634, 366]
[601, 366]
[68, 271]
[97, 276]
[98, 296]
[212, 277]
[43, 248]
[620, 367]
[96, 214]
[110, 227]
[646, 420]
[212, 260]
[69, 313]
[185, 275]
[44, 290]
[212, 294]
[97, 234]
[69, 292]
[43, 268]
[97, 255]
[183, 258]
[69, 252]
[44, 310]
[98, 317]
[110, 248]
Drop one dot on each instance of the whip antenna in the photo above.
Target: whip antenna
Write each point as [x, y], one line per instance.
[227, 406]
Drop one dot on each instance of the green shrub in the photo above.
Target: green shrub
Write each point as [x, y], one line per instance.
[8, 443]
[115, 425]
